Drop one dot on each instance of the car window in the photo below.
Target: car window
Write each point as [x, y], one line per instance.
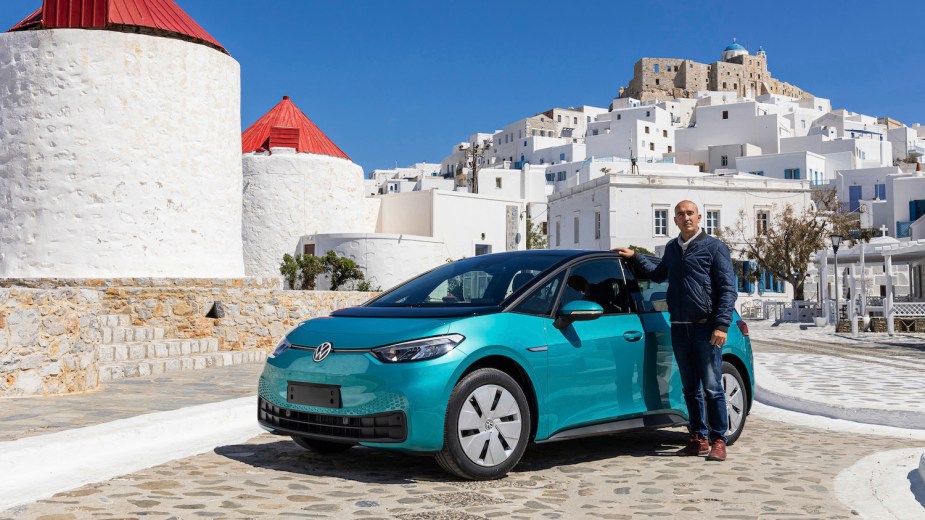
[600, 281]
[479, 281]
[648, 296]
[541, 300]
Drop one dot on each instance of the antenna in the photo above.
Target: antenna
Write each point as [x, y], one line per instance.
[634, 168]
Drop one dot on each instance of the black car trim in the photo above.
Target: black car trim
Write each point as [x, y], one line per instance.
[645, 422]
[386, 427]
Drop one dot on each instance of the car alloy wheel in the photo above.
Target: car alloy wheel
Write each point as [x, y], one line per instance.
[487, 426]
[736, 401]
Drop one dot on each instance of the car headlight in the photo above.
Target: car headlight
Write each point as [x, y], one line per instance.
[419, 349]
[283, 346]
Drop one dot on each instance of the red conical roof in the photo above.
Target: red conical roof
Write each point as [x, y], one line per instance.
[287, 126]
[156, 16]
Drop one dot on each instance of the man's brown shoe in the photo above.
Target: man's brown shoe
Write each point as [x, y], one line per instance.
[718, 452]
[697, 446]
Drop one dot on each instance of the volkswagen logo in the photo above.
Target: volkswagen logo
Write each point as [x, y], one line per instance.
[322, 351]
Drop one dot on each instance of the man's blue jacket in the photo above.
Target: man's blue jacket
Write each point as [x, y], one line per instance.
[701, 283]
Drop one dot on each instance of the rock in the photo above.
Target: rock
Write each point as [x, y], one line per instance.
[28, 383]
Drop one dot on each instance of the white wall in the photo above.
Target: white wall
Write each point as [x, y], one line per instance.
[743, 125]
[386, 259]
[812, 166]
[105, 171]
[288, 194]
[628, 203]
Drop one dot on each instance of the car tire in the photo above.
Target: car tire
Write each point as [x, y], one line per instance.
[736, 401]
[487, 426]
[321, 447]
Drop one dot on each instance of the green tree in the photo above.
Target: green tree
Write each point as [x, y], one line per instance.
[789, 240]
[535, 237]
[341, 270]
[301, 271]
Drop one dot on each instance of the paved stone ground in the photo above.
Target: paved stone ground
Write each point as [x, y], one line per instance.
[802, 333]
[28, 416]
[774, 471]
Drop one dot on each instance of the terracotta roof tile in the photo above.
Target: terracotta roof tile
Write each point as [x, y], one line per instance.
[162, 15]
[279, 126]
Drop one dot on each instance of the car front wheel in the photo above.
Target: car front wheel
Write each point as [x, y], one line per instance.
[736, 401]
[487, 426]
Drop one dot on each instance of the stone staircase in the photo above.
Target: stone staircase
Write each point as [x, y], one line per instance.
[132, 351]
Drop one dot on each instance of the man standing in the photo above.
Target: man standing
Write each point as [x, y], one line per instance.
[701, 297]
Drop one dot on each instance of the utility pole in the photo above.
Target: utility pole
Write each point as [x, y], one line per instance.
[474, 153]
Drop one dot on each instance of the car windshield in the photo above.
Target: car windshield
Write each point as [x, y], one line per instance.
[475, 282]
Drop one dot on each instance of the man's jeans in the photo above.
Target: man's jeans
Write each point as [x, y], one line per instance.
[701, 364]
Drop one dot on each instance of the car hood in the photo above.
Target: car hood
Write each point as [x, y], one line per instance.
[362, 333]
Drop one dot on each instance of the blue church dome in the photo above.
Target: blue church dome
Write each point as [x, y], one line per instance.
[735, 47]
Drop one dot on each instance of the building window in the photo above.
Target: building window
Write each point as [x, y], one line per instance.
[660, 223]
[597, 224]
[562, 156]
[725, 112]
[712, 222]
[558, 232]
[880, 191]
[498, 182]
[759, 172]
[652, 146]
[664, 133]
[792, 173]
[669, 148]
[656, 81]
[589, 119]
[559, 118]
[768, 283]
[482, 249]
[560, 176]
[724, 160]
[594, 131]
[761, 221]
[544, 228]
[550, 177]
[619, 116]
[575, 120]
[575, 220]
[647, 129]
[655, 68]
[647, 113]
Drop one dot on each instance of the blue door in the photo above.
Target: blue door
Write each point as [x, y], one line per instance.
[854, 198]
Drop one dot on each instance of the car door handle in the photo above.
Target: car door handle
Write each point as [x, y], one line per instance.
[633, 335]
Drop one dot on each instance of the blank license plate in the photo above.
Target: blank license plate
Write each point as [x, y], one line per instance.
[310, 394]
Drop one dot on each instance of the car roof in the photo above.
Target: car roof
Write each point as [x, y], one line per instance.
[557, 253]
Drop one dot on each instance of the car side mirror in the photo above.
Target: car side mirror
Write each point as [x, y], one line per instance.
[578, 310]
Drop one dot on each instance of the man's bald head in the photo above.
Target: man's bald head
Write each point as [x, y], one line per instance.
[687, 204]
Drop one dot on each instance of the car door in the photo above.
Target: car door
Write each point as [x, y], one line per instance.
[661, 380]
[596, 367]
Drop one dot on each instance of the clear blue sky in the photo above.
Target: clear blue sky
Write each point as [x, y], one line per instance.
[404, 81]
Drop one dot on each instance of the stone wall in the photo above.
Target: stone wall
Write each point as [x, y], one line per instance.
[52, 330]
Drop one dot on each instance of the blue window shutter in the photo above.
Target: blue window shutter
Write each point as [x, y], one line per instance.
[761, 284]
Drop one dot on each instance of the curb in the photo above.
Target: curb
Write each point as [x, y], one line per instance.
[773, 392]
[38, 467]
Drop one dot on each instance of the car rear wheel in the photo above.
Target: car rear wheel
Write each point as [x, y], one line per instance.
[487, 426]
[322, 447]
[736, 401]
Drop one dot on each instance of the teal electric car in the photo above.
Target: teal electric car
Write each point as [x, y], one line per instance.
[477, 358]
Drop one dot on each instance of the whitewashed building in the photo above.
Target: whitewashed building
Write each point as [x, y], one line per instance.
[105, 171]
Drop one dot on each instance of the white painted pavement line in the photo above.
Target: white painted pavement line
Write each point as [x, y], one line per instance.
[884, 485]
[38, 467]
[836, 425]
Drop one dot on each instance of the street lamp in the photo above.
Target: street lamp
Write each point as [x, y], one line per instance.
[474, 153]
[836, 241]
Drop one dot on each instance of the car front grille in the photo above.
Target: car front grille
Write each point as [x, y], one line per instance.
[382, 427]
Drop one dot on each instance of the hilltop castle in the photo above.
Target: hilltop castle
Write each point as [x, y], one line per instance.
[739, 72]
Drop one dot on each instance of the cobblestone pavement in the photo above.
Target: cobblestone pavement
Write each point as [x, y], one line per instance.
[774, 471]
[28, 416]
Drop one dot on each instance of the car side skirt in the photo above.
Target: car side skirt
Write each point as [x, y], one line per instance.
[646, 422]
